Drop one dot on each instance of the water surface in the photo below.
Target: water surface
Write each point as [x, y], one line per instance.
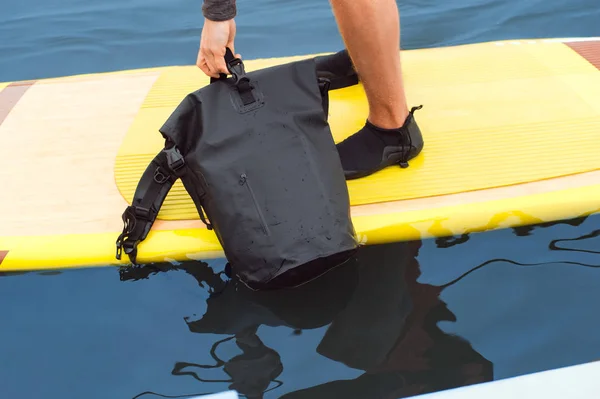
[402, 319]
[64, 37]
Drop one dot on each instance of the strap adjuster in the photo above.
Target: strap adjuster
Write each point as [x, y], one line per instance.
[174, 158]
[142, 213]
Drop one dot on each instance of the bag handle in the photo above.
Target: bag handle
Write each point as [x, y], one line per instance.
[235, 66]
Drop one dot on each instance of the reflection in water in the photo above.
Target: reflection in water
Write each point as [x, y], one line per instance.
[250, 373]
[380, 320]
[450, 241]
[557, 246]
[523, 231]
[382, 326]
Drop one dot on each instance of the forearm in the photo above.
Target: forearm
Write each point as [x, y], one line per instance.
[219, 10]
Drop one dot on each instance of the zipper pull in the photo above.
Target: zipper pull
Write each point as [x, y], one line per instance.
[243, 178]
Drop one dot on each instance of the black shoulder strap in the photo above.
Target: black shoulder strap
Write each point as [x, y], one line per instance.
[152, 189]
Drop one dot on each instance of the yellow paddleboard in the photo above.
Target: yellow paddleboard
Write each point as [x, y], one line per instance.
[511, 129]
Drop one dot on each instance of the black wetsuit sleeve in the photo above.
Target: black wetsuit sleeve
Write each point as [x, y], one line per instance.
[219, 10]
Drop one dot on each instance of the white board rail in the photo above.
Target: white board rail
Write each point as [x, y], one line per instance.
[581, 381]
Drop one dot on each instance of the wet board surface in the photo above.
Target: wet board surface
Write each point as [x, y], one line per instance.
[511, 130]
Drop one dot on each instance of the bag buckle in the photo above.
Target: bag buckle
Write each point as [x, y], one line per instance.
[174, 158]
[128, 240]
[238, 72]
[127, 247]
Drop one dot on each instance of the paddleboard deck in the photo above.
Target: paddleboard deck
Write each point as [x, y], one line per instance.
[511, 130]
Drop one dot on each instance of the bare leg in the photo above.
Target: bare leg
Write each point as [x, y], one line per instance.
[371, 32]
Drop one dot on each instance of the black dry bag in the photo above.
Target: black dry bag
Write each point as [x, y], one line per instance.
[256, 154]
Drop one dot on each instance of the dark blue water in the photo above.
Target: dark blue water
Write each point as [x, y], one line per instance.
[402, 319]
[63, 37]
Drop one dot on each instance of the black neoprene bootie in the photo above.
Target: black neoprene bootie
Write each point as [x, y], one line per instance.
[373, 148]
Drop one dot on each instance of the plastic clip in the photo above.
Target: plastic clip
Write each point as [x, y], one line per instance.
[238, 72]
[174, 158]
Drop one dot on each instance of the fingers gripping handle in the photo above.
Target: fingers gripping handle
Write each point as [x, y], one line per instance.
[235, 66]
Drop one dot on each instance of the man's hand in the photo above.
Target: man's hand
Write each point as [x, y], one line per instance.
[216, 36]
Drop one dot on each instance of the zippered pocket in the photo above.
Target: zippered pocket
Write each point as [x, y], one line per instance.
[244, 181]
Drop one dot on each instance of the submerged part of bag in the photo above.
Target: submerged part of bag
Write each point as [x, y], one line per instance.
[256, 154]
